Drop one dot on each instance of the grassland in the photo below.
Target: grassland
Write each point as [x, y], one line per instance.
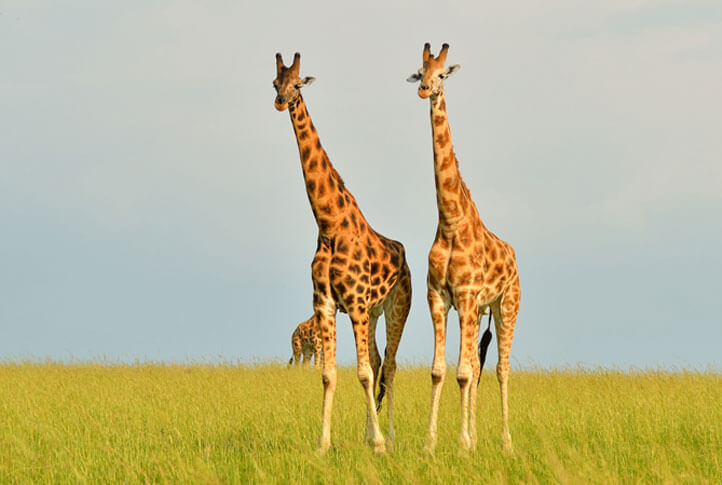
[258, 424]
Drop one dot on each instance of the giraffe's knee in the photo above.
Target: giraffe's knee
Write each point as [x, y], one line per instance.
[328, 378]
[438, 372]
[375, 361]
[502, 372]
[463, 375]
[365, 375]
[389, 369]
[364, 380]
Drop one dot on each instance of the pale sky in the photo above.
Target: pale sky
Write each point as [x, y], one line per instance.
[152, 204]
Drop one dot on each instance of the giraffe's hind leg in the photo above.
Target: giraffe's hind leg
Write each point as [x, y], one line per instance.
[476, 372]
[296, 347]
[374, 356]
[396, 311]
[505, 311]
[375, 361]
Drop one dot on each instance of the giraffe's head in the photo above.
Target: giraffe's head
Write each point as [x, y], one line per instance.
[432, 72]
[287, 83]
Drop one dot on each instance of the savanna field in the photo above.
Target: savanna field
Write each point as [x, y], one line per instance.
[98, 423]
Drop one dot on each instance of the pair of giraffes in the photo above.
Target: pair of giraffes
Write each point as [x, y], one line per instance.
[360, 272]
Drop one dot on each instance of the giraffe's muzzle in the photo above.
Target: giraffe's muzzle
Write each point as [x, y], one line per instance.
[280, 103]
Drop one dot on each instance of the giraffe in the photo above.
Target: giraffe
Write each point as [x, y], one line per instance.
[306, 341]
[355, 269]
[469, 268]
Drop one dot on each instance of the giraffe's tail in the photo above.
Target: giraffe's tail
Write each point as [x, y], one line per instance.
[382, 386]
[483, 347]
[290, 361]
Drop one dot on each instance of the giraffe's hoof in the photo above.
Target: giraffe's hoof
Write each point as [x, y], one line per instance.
[465, 443]
[471, 447]
[506, 446]
[389, 447]
[323, 447]
[369, 438]
[380, 447]
[430, 444]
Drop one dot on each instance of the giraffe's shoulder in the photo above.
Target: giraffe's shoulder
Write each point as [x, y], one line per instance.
[391, 245]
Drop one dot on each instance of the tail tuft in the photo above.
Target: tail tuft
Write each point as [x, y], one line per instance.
[382, 386]
[483, 347]
[290, 361]
[382, 391]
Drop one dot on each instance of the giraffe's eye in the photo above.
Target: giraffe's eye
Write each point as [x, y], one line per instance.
[441, 76]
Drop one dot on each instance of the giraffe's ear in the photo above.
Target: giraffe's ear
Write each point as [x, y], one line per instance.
[414, 78]
[451, 70]
[307, 81]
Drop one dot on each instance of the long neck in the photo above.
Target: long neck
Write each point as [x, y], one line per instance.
[452, 196]
[329, 198]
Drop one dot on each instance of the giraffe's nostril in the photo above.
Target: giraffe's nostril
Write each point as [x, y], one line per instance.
[279, 100]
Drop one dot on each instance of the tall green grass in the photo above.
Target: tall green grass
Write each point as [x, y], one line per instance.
[257, 424]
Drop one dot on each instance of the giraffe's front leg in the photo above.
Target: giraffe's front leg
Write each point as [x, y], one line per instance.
[468, 322]
[317, 345]
[325, 310]
[327, 317]
[317, 349]
[306, 358]
[366, 378]
[439, 308]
